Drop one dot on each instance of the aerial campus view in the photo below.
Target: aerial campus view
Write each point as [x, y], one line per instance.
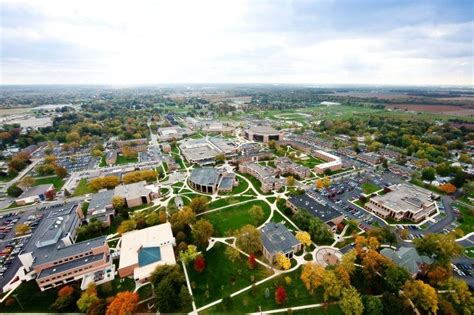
[214, 157]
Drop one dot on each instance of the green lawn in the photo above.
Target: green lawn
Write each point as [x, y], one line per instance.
[221, 276]
[297, 294]
[241, 187]
[33, 300]
[121, 160]
[103, 162]
[83, 188]
[370, 188]
[467, 219]
[228, 201]
[7, 178]
[277, 217]
[232, 218]
[469, 251]
[57, 182]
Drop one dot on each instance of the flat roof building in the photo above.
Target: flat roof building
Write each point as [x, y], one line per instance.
[333, 162]
[101, 208]
[285, 165]
[276, 238]
[134, 194]
[262, 134]
[144, 250]
[403, 202]
[316, 208]
[34, 194]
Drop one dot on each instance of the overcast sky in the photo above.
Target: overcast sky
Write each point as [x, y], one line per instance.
[225, 41]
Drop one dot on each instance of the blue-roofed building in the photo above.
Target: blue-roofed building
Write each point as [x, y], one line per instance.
[276, 238]
[211, 180]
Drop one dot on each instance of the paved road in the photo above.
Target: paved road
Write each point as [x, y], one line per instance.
[448, 219]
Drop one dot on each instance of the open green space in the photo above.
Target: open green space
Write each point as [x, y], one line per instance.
[6, 178]
[121, 160]
[234, 217]
[240, 188]
[297, 294]
[103, 162]
[222, 276]
[228, 201]
[369, 188]
[56, 181]
[466, 219]
[32, 300]
[83, 188]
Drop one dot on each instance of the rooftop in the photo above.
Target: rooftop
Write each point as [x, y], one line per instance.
[100, 200]
[277, 238]
[36, 190]
[406, 257]
[263, 130]
[207, 176]
[132, 190]
[314, 207]
[405, 197]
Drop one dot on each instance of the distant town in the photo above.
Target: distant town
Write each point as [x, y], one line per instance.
[236, 199]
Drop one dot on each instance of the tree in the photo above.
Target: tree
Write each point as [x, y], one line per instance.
[280, 295]
[50, 194]
[251, 261]
[126, 226]
[232, 254]
[422, 295]
[448, 188]
[248, 239]
[168, 281]
[282, 261]
[312, 276]
[395, 277]
[60, 171]
[180, 219]
[108, 182]
[138, 176]
[88, 297]
[290, 181]
[372, 305]
[65, 299]
[326, 181]
[428, 174]
[185, 298]
[22, 229]
[27, 182]
[219, 158]
[319, 184]
[437, 275]
[188, 255]
[304, 238]
[124, 303]
[153, 219]
[460, 295]
[199, 204]
[332, 285]
[14, 191]
[202, 231]
[256, 213]
[469, 188]
[199, 264]
[118, 202]
[440, 247]
[351, 302]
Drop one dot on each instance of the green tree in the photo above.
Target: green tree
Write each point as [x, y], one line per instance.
[248, 239]
[428, 174]
[440, 247]
[257, 214]
[372, 305]
[351, 302]
[201, 232]
[395, 277]
[14, 191]
[88, 298]
[422, 295]
[199, 204]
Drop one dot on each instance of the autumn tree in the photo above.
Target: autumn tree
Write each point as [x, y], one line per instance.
[437, 275]
[256, 213]
[440, 247]
[22, 229]
[189, 254]
[422, 295]
[26, 182]
[60, 172]
[199, 204]
[124, 303]
[232, 254]
[312, 276]
[182, 218]
[199, 264]
[304, 237]
[448, 188]
[138, 176]
[152, 219]
[282, 261]
[248, 239]
[126, 226]
[108, 182]
[351, 302]
[458, 292]
[118, 202]
[201, 232]
[65, 299]
[251, 261]
[332, 285]
[290, 181]
[88, 297]
[280, 295]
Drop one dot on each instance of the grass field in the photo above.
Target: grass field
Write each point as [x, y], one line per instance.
[222, 276]
[83, 188]
[228, 201]
[121, 160]
[232, 218]
[469, 251]
[369, 188]
[6, 178]
[57, 182]
[297, 294]
[241, 187]
[467, 219]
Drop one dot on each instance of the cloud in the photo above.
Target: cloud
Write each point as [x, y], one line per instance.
[114, 42]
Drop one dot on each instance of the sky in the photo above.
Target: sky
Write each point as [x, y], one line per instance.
[226, 41]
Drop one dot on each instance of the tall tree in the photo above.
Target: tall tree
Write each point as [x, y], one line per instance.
[124, 303]
[248, 239]
[202, 231]
[351, 302]
[422, 295]
[312, 276]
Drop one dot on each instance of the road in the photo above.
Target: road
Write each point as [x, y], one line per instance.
[5, 186]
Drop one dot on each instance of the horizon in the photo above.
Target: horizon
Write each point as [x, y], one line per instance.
[422, 44]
